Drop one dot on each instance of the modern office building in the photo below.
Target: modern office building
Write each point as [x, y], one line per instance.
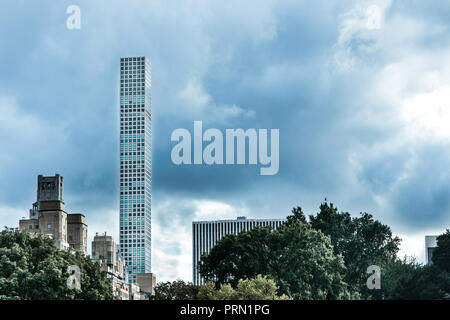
[48, 217]
[430, 245]
[205, 235]
[135, 165]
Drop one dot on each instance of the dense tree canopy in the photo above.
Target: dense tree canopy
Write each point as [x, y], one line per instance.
[176, 290]
[259, 288]
[361, 241]
[441, 255]
[298, 258]
[239, 257]
[33, 268]
[326, 257]
[408, 280]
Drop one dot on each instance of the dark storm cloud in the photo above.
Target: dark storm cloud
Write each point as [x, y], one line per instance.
[422, 196]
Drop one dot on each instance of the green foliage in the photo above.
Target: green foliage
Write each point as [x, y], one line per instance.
[239, 257]
[32, 268]
[303, 264]
[298, 258]
[407, 280]
[397, 279]
[431, 284]
[361, 241]
[209, 292]
[297, 215]
[259, 288]
[176, 290]
[325, 258]
[441, 254]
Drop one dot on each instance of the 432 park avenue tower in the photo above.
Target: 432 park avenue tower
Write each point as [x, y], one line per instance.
[135, 165]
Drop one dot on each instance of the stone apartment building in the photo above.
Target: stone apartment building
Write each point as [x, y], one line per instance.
[48, 216]
[106, 252]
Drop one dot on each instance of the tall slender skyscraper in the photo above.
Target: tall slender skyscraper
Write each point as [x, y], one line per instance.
[135, 165]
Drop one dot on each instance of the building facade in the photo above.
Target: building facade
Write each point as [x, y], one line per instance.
[77, 232]
[146, 283]
[135, 165]
[430, 245]
[48, 217]
[205, 235]
[105, 252]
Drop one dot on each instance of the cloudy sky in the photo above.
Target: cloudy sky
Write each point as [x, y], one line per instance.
[360, 91]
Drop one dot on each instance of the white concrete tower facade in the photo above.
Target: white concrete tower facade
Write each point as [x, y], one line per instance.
[135, 165]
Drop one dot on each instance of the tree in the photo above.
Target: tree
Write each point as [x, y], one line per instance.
[441, 254]
[236, 257]
[176, 290]
[210, 292]
[398, 279]
[303, 264]
[408, 280]
[297, 215]
[362, 242]
[298, 258]
[33, 268]
[259, 288]
[325, 258]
